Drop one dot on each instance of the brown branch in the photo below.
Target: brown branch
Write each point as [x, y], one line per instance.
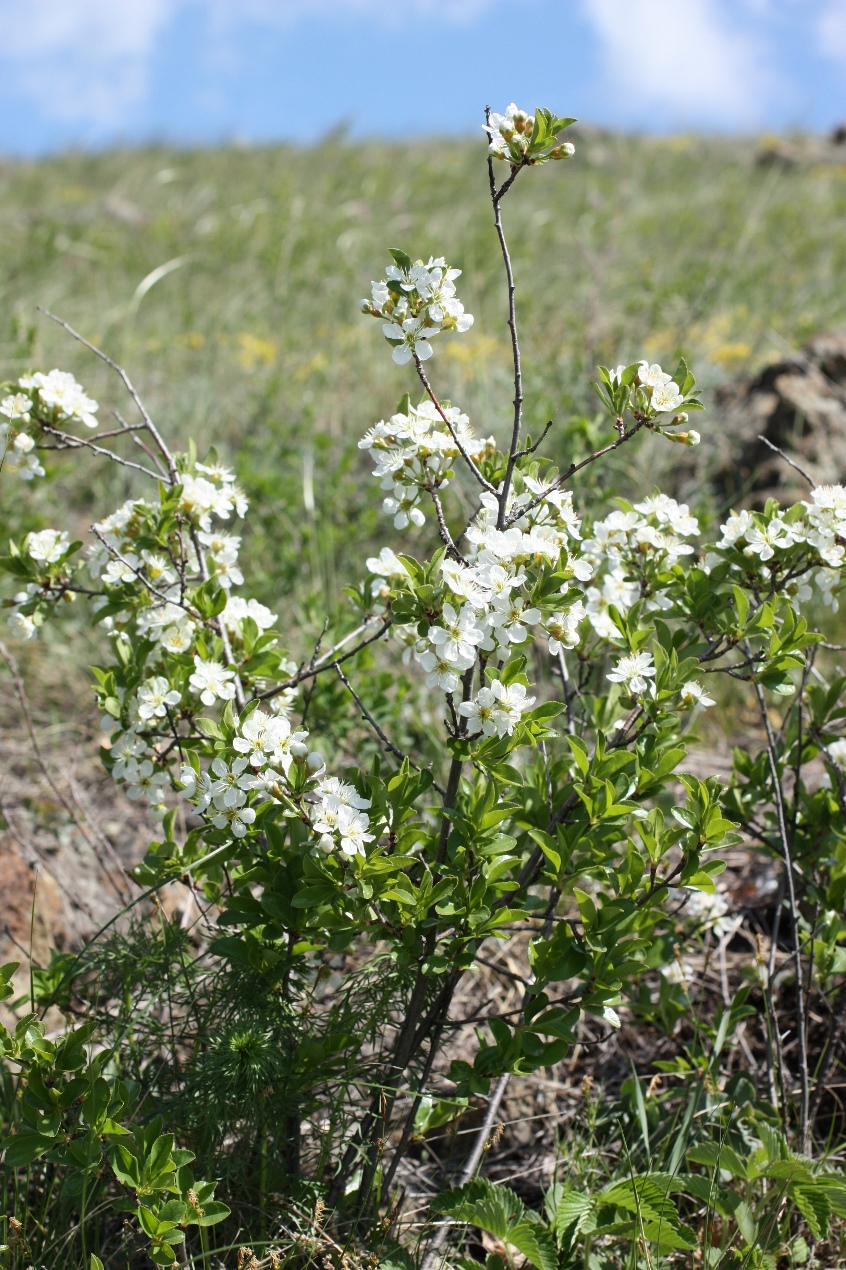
[128, 385]
[421, 374]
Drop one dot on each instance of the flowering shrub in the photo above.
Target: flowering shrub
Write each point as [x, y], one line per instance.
[572, 818]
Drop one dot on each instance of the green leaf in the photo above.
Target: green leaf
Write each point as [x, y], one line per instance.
[401, 258]
[497, 1210]
[741, 603]
[311, 896]
[22, 1148]
[572, 1210]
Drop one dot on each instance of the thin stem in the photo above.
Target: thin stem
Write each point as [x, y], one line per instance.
[93, 835]
[135, 428]
[517, 424]
[443, 529]
[128, 385]
[801, 1017]
[787, 460]
[571, 471]
[327, 661]
[160, 595]
[386, 740]
[530, 449]
[473, 466]
[80, 443]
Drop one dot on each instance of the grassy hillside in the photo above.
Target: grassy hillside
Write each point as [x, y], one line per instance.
[253, 339]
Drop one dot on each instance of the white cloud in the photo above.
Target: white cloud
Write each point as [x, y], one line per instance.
[88, 62]
[81, 60]
[831, 30]
[686, 58]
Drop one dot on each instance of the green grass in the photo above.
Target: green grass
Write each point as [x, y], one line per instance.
[635, 247]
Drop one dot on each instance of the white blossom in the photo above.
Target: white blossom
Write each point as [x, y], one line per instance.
[238, 609]
[59, 391]
[179, 637]
[143, 780]
[458, 638]
[47, 545]
[21, 625]
[764, 542]
[16, 406]
[344, 792]
[563, 628]
[666, 397]
[237, 819]
[416, 304]
[652, 376]
[633, 671]
[212, 681]
[402, 505]
[693, 694]
[228, 788]
[736, 527]
[440, 672]
[154, 697]
[496, 710]
[125, 749]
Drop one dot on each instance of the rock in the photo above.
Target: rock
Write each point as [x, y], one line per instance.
[799, 405]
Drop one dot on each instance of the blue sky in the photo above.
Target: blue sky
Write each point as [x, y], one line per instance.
[95, 72]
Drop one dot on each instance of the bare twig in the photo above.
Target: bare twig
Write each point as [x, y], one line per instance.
[572, 469]
[517, 423]
[801, 1014]
[93, 836]
[128, 385]
[135, 428]
[326, 662]
[473, 466]
[79, 443]
[530, 449]
[787, 459]
[386, 740]
[443, 528]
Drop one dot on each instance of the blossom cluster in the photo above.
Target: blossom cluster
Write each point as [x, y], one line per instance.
[812, 534]
[653, 395]
[160, 607]
[496, 710]
[54, 398]
[635, 672]
[150, 568]
[510, 136]
[270, 761]
[416, 301]
[489, 602]
[662, 393]
[626, 554]
[415, 451]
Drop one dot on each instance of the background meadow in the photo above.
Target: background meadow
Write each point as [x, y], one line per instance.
[227, 281]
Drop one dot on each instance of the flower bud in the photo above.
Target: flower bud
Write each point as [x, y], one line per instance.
[298, 750]
[684, 438]
[563, 151]
[679, 418]
[314, 762]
